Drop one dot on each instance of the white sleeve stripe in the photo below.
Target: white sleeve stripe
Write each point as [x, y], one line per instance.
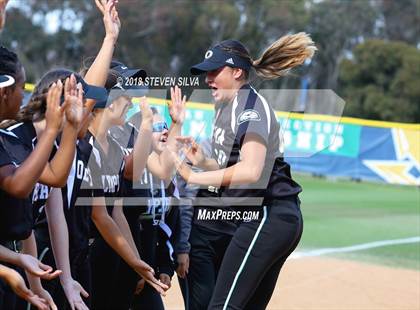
[10, 128]
[9, 133]
[266, 108]
[233, 116]
[70, 180]
[95, 152]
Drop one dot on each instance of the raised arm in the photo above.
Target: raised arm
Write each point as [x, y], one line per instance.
[98, 71]
[57, 170]
[136, 161]
[20, 181]
[162, 165]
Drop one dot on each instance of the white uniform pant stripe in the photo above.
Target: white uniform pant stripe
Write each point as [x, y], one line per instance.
[245, 258]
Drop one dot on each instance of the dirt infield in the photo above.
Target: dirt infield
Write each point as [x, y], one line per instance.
[327, 283]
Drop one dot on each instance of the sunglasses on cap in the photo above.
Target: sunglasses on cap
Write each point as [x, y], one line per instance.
[159, 127]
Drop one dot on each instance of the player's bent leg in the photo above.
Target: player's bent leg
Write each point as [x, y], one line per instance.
[255, 247]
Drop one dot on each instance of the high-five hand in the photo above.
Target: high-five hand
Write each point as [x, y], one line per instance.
[111, 20]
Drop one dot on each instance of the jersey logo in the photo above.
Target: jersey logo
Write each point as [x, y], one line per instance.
[230, 61]
[111, 183]
[249, 115]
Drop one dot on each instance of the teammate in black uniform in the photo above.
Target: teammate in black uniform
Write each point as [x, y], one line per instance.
[16, 182]
[9, 275]
[30, 126]
[157, 220]
[64, 231]
[116, 166]
[248, 168]
[137, 194]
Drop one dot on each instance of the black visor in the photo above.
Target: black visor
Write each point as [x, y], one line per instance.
[6, 80]
[125, 85]
[92, 92]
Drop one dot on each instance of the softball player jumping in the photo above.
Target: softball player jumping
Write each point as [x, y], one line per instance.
[247, 165]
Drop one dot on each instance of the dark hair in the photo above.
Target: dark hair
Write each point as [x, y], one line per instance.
[279, 58]
[9, 63]
[37, 105]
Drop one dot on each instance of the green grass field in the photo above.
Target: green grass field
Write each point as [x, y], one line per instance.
[344, 213]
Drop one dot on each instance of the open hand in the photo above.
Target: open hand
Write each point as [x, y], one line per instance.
[111, 20]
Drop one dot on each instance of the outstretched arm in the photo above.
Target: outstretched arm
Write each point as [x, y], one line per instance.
[16, 282]
[59, 236]
[113, 236]
[121, 221]
[29, 247]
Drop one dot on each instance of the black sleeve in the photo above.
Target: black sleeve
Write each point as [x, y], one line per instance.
[4, 156]
[186, 212]
[252, 117]
[188, 192]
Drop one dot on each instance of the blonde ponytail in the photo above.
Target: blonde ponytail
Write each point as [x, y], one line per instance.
[286, 53]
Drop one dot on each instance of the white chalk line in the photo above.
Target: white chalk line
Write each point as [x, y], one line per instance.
[353, 248]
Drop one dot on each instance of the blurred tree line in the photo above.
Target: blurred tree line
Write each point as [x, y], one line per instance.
[368, 50]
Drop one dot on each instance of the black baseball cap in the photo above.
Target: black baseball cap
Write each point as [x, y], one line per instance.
[124, 87]
[6, 80]
[125, 72]
[217, 57]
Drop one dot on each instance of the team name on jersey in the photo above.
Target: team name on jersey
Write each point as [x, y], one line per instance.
[83, 172]
[158, 205]
[111, 183]
[218, 139]
[41, 192]
[218, 135]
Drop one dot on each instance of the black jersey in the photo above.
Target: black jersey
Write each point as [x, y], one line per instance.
[110, 170]
[135, 194]
[249, 113]
[16, 217]
[150, 192]
[148, 200]
[81, 183]
[27, 135]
